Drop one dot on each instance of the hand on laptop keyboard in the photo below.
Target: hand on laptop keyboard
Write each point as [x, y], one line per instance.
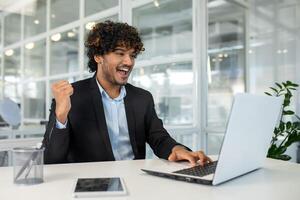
[180, 153]
[200, 171]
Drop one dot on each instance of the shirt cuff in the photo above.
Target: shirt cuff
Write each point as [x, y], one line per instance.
[60, 125]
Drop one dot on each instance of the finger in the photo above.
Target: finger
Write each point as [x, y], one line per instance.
[189, 157]
[58, 83]
[68, 91]
[209, 159]
[204, 158]
[172, 157]
[201, 157]
[64, 87]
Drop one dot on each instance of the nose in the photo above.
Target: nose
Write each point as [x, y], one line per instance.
[128, 60]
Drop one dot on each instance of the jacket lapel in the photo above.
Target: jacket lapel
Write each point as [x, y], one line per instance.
[98, 107]
[130, 120]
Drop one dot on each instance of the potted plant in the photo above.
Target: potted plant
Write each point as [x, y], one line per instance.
[288, 130]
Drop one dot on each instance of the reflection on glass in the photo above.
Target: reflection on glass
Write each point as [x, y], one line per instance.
[226, 61]
[64, 52]
[4, 156]
[274, 43]
[34, 100]
[89, 26]
[13, 91]
[12, 73]
[35, 59]
[166, 27]
[94, 6]
[12, 28]
[34, 18]
[214, 143]
[63, 12]
[172, 88]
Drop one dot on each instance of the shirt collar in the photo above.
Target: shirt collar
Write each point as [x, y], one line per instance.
[104, 93]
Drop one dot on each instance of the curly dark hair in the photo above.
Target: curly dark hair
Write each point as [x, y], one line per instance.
[106, 36]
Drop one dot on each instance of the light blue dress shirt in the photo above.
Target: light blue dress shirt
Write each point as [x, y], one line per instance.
[116, 121]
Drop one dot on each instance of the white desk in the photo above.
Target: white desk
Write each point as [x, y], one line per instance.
[278, 180]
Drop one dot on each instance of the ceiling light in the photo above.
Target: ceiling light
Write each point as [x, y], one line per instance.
[29, 45]
[156, 3]
[71, 34]
[90, 25]
[9, 52]
[56, 37]
[36, 21]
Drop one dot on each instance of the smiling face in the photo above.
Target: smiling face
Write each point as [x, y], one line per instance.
[115, 67]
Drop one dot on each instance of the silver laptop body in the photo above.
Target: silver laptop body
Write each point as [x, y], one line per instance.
[249, 131]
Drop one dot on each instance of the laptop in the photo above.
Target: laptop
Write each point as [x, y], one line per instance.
[248, 134]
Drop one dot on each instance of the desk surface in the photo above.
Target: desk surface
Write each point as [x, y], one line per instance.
[277, 180]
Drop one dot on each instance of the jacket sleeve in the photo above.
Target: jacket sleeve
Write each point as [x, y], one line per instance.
[56, 141]
[157, 136]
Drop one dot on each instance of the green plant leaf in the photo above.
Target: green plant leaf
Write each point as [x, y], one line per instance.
[281, 150]
[294, 137]
[284, 84]
[288, 112]
[281, 126]
[282, 157]
[294, 85]
[272, 150]
[275, 90]
[268, 94]
[286, 103]
[288, 125]
[278, 85]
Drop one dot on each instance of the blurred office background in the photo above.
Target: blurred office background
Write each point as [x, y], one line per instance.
[199, 53]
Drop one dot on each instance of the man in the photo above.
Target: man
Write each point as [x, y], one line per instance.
[104, 118]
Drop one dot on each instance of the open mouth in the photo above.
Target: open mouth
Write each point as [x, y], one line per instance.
[124, 71]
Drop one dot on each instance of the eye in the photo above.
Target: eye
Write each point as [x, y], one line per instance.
[119, 53]
[133, 55]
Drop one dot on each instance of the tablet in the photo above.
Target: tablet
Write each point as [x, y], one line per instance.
[93, 187]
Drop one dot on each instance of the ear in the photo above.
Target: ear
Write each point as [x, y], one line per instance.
[98, 59]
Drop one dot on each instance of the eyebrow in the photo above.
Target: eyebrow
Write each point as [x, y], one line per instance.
[123, 50]
[119, 49]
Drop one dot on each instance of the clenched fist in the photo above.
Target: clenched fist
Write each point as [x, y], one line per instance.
[62, 90]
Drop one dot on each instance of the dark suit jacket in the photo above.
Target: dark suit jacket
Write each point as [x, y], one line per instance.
[86, 137]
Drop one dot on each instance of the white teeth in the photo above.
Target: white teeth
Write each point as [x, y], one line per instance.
[124, 69]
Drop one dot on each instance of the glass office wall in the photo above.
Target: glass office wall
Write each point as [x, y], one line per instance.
[64, 52]
[35, 59]
[63, 12]
[35, 18]
[96, 6]
[226, 65]
[12, 27]
[165, 29]
[251, 44]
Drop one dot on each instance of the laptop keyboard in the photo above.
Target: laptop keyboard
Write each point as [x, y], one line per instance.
[199, 170]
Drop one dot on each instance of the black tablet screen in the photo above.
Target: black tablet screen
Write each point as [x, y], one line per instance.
[98, 185]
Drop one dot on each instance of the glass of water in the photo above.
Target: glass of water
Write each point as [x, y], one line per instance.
[28, 165]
